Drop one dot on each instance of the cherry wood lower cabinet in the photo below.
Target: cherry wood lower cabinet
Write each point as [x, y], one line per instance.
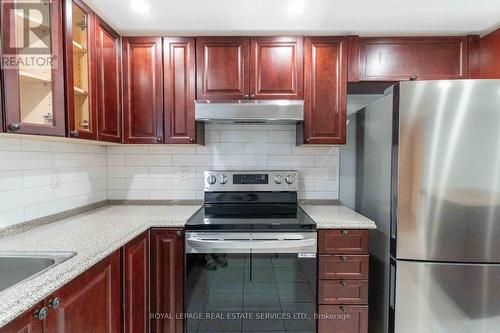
[167, 262]
[343, 281]
[325, 91]
[89, 303]
[136, 284]
[27, 322]
[143, 89]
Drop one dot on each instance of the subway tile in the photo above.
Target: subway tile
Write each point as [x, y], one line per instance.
[136, 183]
[279, 148]
[128, 171]
[47, 146]
[90, 148]
[256, 148]
[212, 136]
[315, 150]
[49, 208]
[89, 198]
[172, 149]
[319, 195]
[188, 184]
[170, 172]
[194, 160]
[294, 161]
[10, 160]
[220, 148]
[148, 160]
[223, 127]
[68, 160]
[282, 136]
[327, 161]
[10, 144]
[128, 149]
[241, 161]
[34, 178]
[11, 180]
[325, 185]
[172, 195]
[243, 136]
[116, 159]
[117, 183]
[128, 194]
[24, 197]
[11, 217]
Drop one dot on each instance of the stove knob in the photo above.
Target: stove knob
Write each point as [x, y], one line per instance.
[278, 179]
[222, 179]
[211, 179]
[289, 179]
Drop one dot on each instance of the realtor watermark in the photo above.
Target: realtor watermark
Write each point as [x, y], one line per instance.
[27, 23]
[249, 316]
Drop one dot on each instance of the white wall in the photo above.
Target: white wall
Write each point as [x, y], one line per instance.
[161, 172]
[40, 178]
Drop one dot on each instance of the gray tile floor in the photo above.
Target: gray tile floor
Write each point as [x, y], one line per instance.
[262, 293]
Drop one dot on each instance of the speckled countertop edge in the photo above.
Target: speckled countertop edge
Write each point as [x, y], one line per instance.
[130, 219]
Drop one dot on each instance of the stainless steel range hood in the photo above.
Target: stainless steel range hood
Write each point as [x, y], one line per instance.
[250, 111]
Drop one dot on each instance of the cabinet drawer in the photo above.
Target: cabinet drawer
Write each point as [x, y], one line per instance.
[343, 292]
[340, 267]
[343, 242]
[338, 318]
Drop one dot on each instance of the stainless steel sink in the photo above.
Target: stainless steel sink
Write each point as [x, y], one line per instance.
[17, 267]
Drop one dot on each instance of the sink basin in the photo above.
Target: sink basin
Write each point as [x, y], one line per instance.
[17, 267]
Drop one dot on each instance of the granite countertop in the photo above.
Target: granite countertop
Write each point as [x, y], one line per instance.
[93, 235]
[336, 216]
[98, 233]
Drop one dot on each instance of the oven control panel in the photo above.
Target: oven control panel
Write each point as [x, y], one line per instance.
[236, 181]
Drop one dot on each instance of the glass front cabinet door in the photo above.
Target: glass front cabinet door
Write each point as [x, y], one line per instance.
[80, 39]
[32, 66]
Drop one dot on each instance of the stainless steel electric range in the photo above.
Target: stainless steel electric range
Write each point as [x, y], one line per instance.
[250, 256]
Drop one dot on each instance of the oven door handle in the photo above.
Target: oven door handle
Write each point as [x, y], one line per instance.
[194, 245]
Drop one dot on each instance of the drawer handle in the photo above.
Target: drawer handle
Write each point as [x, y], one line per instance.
[345, 232]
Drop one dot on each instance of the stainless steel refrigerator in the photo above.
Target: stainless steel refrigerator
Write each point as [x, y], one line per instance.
[427, 158]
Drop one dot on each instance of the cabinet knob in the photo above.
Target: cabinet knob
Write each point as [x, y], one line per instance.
[55, 303]
[344, 283]
[413, 78]
[252, 96]
[42, 313]
[345, 232]
[343, 309]
[74, 133]
[191, 140]
[159, 139]
[14, 127]
[308, 140]
[343, 258]
[179, 233]
[246, 96]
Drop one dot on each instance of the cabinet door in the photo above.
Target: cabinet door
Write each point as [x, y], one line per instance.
[91, 302]
[325, 106]
[136, 284]
[167, 271]
[33, 69]
[80, 75]
[343, 319]
[422, 58]
[276, 68]
[108, 82]
[222, 67]
[179, 82]
[143, 90]
[26, 323]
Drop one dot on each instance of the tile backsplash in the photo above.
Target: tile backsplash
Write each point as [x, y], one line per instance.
[40, 177]
[162, 172]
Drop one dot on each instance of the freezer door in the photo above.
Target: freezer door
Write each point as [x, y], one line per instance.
[448, 171]
[445, 298]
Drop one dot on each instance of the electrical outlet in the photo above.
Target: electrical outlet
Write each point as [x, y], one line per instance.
[55, 178]
[183, 174]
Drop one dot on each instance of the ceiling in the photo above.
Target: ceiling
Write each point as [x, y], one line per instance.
[301, 17]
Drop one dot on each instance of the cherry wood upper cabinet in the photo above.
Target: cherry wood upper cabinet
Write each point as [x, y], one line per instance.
[26, 323]
[405, 58]
[325, 81]
[33, 90]
[179, 93]
[89, 303]
[276, 68]
[143, 89]
[136, 284]
[167, 262]
[490, 56]
[80, 75]
[222, 67]
[108, 83]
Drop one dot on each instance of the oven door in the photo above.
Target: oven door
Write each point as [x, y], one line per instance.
[241, 282]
